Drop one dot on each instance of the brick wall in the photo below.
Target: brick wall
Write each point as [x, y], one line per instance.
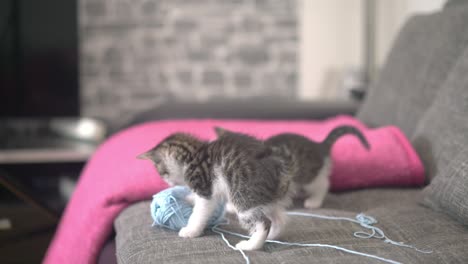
[137, 53]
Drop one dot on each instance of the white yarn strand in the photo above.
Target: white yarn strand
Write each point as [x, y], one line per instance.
[366, 222]
[220, 232]
[361, 219]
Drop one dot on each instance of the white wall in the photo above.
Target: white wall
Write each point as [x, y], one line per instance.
[331, 39]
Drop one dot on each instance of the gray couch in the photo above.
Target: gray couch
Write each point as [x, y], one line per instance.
[423, 89]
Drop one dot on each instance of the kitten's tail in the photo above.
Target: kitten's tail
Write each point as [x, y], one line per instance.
[340, 131]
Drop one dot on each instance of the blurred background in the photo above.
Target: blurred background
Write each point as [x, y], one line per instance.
[74, 71]
[112, 59]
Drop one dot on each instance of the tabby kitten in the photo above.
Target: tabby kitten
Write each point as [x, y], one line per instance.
[235, 168]
[308, 162]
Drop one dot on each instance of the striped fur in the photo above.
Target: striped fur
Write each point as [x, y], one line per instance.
[307, 163]
[310, 163]
[235, 168]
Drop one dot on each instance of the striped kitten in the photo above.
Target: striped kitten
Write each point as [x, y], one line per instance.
[308, 162]
[235, 168]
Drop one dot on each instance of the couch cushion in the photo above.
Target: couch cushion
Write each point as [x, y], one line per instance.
[448, 193]
[363, 200]
[422, 227]
[138, 242]
[442, 132]
[421, 58]
[441, 139]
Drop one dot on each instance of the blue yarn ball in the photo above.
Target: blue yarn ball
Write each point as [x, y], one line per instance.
[170, 209]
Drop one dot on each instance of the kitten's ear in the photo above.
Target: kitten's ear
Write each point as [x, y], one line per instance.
[220, 131]
[145, 156]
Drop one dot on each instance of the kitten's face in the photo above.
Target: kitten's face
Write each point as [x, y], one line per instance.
[170, 159]
[169, 168]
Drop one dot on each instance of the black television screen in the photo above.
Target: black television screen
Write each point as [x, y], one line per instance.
[38, 58]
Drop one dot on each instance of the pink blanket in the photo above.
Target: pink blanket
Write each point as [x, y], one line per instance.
[114, 178]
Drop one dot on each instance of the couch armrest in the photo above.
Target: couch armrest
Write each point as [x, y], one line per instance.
[267, 109]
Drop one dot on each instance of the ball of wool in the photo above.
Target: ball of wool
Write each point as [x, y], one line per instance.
[170, 209]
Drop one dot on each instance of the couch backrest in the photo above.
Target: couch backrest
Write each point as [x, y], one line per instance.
[421, 58]
[441, 139]
[442, 131]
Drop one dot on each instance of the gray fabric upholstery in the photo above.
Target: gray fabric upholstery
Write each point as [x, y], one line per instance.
[441, 139]
[363, 200]
[443, 130]
[399, 215]
[449, 192]
[419, 62]
[454, 3]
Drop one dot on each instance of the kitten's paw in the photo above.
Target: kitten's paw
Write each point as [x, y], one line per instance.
[247, 245]
[188, 232]
[312, 203]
